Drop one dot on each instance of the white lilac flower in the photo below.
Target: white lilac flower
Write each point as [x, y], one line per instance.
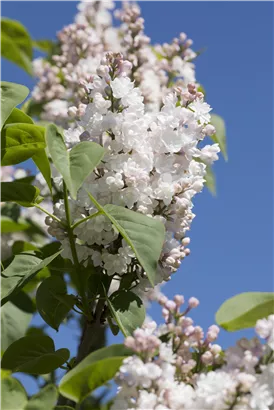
[149, 167]
[165, 375]
[265, 329]
[82, 45]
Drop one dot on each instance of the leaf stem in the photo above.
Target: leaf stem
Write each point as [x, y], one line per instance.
[85, 219]
[74, 255]
[49, 214]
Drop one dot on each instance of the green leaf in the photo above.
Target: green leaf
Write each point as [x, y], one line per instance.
[220, 135]
[21, 246]
[11, 95]
[11, 210]
[128, 311]
[14, 324]
[35, 331]
[15, 30]
[143, 234]
[242, 311]
[13, 394]
[63, 408]
[45, 399]
[21, 141]
[76, 164]
[34, 355]
[5, 373]
[16, 44]
[18, 116]
[114, 328]
[43, 45]
[23, 301]
[33, 108]
[210, 180]
[52, 301]
[97, 282]
[92, 372]
[8, 225]
[20, 193]
[19, 272]
[42, 162]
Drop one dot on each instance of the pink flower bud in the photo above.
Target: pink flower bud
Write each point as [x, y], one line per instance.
[215, 349]
[130, 342]
[186, 241]
[193, 302]
[207, 358]
[171, 306]
[212, 333]
[179, 300]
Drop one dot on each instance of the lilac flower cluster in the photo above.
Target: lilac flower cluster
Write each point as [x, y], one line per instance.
[153, 165]
[82, 45]
[175, 366]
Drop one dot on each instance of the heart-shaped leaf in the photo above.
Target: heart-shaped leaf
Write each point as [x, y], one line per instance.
[21, 193]
[242, 311]
[92, 372]
[20, 271]
[34, 355]
[74, 165]
[143, 234]
[20, 141]
[45, 399]
[128, 311]
[11, 95]
[220, 135]
[14, 324]
[52, 301]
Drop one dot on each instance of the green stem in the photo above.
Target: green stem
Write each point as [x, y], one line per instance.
[82, 290]
[85, 219]
[49, 214]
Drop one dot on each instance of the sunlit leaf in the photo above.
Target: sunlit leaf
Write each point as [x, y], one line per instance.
[11, 95]
[242, 311]
[92, 372]
[16, 44]
[13, 394]
[21, 141]
[74, 165]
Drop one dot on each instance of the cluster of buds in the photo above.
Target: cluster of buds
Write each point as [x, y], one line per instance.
[143, 343]
[113, 65]
[180, 46]
[134, 38]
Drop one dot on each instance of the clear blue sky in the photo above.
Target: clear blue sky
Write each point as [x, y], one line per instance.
[232, 242]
